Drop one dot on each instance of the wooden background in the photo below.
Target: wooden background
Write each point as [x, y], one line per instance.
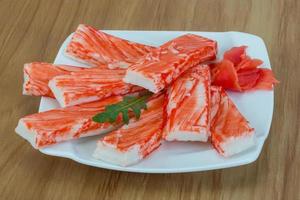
[33, 31]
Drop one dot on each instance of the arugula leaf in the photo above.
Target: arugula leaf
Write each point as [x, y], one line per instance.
[111, 112]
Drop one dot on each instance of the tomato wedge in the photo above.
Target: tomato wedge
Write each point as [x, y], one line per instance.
[235, 54]
[248, 63]
[239, 72]
[266, 80]
[248, 78]
[224, 74]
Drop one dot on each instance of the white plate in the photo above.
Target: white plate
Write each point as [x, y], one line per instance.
[173, 157]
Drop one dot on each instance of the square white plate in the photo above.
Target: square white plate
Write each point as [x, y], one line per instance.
[173, 157]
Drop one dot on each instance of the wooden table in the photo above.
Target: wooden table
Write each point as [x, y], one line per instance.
[33, 31]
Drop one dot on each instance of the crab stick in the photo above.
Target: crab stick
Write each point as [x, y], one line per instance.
[133, 142]
[38, 74]
[231, 132]
[95, 48]
[90, 85]
[166, 63]
[72, 85]
[188, 106]
[53, 126]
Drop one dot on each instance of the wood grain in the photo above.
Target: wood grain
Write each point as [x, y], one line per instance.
[32, 30]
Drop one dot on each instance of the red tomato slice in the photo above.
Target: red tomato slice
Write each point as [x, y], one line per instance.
[224, 74]
[235, 54]
[239, 72]
[248, 63]
[248, 78]
[266, 80]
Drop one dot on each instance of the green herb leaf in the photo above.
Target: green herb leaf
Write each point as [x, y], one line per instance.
[111, 112]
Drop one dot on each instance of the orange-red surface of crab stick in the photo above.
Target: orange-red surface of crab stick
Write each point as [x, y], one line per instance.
[231, 133]
[38, 74]
[95, 47]
[188, 116]
[53, 126]
[166, 63]
[133, 142]
[89, 85]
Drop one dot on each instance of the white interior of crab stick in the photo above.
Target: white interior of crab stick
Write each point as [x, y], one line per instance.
[112, 155]
[136, 78]
[236, 145]
[25, 133]
[58, 94]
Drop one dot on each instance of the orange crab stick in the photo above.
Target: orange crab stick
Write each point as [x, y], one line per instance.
[133, 142]
[53, 126]
[72, 85]
[188, 106]
[95, 47]
[166, 63]
[38, 74]
[90, 85]
[231, 133]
